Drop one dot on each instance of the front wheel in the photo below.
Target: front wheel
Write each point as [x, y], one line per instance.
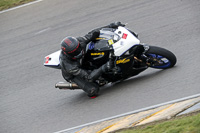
[160, 58]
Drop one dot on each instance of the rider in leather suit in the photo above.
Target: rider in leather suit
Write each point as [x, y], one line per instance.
[73, 50]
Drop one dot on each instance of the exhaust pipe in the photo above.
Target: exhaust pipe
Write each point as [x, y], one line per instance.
[66, 86]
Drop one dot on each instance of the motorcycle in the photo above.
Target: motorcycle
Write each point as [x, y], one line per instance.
[118, 45]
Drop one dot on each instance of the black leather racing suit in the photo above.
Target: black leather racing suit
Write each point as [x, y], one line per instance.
[73, 72]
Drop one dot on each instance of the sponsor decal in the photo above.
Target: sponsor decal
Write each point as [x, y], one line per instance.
[100, 38]
[101, 53]
[124, 36]
[122, 61]
[110, 42]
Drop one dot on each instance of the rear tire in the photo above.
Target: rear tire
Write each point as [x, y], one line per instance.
[165, 58]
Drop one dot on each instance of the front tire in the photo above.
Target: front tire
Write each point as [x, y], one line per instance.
[160, 58]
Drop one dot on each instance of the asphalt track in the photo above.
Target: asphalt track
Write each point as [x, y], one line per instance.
[28, 100]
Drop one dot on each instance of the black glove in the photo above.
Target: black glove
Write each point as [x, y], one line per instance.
[116, 24]
[94, 34]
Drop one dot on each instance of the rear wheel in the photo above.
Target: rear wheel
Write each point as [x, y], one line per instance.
[160, 58]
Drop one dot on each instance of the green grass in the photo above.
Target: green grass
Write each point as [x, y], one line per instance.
[5, 4]
[188, 124]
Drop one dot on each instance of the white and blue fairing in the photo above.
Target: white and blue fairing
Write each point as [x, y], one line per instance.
[127, 41]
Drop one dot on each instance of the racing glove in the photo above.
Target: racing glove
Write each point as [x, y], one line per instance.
[116, 24]
[92, 35]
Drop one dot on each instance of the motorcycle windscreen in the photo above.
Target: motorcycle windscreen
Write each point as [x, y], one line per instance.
[106, 39]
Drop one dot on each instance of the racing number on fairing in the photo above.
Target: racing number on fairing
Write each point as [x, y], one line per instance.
[47, 60]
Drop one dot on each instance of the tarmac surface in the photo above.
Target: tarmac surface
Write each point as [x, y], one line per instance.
[29, 103]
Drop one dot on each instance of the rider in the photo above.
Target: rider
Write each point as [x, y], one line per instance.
[73, 50]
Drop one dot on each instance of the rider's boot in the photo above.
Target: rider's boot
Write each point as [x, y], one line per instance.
[92, 89]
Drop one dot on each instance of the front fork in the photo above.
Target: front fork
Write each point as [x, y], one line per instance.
[146, 47]
[142, 61]
[148, 61]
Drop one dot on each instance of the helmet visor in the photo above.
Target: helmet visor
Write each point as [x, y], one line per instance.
[76, 53]
[80, 55]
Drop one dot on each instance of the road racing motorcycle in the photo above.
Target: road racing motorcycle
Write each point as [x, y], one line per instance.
[119, 45]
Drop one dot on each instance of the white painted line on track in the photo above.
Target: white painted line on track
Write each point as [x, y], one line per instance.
[41, 31]
[128, 113]
[27, 4]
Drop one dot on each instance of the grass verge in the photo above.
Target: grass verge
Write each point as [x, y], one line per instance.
[5, 4]
[183, 124]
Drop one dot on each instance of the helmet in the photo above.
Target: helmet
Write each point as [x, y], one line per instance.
[71, 48]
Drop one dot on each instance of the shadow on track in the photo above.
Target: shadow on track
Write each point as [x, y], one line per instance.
[133, 81]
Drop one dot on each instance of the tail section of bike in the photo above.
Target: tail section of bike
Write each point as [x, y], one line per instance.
[52, 60]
